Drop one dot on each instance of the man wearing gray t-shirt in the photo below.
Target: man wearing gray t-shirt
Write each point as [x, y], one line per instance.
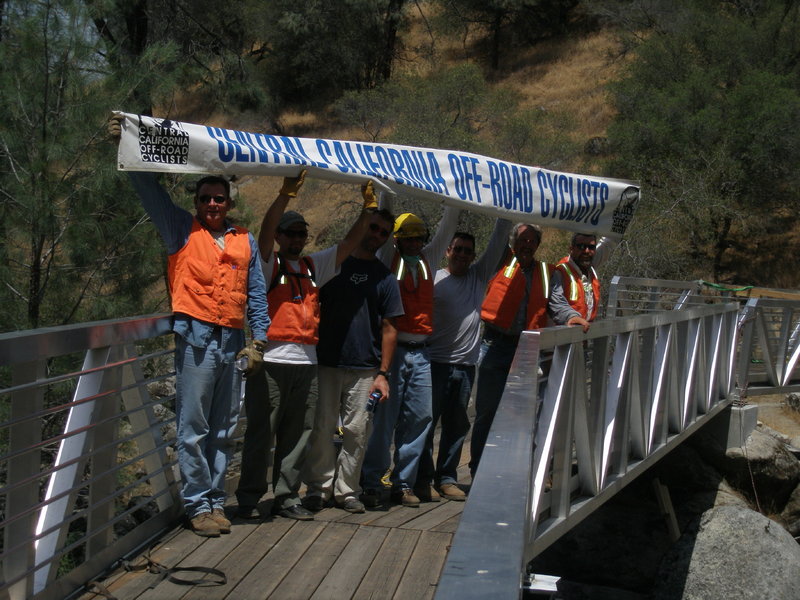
[454, 347]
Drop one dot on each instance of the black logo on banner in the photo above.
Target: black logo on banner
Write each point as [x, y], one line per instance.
[164, 142]
[625, 209]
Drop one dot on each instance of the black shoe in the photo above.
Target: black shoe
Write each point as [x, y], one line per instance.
[245, 511]
[371, 498]
[314, 503]
[297, 512]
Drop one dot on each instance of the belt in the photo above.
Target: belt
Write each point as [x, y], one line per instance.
[412, 345]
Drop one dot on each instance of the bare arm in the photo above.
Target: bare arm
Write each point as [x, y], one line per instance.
[388, 345]
[359, 228]
[266, 237]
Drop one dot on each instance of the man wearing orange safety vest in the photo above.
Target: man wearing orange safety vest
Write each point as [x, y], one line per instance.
[215, 281]
[281, 401]
[516, 300]
[405, 416]
[575, 289]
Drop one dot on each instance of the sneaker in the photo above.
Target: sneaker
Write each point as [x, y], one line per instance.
[452, 492]
[314, 503]
[371, 498]
[427, 493]
[204, 526]
[218, 515]
[297, 512]
[246, 511]
[405, 496]
[352, 505]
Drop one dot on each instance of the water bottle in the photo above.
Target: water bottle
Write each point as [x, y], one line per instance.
[242, 363]
[372, 401]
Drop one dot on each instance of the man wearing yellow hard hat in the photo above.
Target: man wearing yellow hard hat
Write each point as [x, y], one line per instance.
[405, 417]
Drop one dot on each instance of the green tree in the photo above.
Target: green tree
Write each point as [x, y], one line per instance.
[73, 245]
[704, 120]
[505, 24]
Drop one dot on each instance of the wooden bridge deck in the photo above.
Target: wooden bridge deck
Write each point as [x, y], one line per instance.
[390, 552]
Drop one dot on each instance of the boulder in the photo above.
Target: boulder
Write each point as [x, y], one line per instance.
[790, 515]
[731, 553]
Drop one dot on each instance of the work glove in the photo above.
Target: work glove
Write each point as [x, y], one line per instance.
[291, 185]
[114, 127]
[370, 199]
[254, 352]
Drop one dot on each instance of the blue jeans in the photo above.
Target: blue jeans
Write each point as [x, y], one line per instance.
[407, 414]
[497, 354]
[452, 386]
[207, 407]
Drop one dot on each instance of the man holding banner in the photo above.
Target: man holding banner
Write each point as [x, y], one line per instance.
[215, 280]
[516, 300]
[357, 340]
[454, 347]
[282, 400]
[405, 416]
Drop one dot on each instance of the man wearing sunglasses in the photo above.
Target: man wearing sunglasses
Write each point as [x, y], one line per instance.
[516, 301]
[215, 280]
[405, 416]
[575, 293]
[281, 401]
[356, 343]
[454, 347]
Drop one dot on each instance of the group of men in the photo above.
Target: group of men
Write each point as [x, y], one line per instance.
[362, 319]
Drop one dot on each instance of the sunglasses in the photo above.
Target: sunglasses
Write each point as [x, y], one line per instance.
[591, 247]
[462, 250]
[378, 229]
[205, 199]
[294, 233]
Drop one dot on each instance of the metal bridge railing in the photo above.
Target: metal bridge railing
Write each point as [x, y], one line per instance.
[81, 452]
[557, 453]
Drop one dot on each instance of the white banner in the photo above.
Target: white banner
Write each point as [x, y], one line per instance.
[478, 183]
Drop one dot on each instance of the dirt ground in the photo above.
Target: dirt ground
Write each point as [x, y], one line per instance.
[774, 412]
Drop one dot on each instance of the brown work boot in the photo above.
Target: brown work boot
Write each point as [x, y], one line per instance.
[405, 496]
[452, 492]
[218, 516]
[426, 493]
[204, 526]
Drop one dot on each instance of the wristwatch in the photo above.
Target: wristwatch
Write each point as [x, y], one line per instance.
[384, 373]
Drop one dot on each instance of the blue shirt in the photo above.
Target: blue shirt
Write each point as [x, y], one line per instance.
[174, 224]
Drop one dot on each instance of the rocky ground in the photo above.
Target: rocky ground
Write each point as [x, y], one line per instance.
[738, 511]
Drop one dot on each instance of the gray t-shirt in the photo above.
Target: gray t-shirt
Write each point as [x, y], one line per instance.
[457, 303]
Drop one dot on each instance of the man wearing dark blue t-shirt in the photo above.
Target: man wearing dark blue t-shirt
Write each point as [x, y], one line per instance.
[357, 339]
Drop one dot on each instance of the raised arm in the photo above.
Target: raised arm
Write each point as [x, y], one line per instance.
[359, 228]
[269, 224]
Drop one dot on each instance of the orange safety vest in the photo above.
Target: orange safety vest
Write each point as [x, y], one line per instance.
[293, 300]
[577, 295]
[417, 298]
[507, 290]
[208, 283]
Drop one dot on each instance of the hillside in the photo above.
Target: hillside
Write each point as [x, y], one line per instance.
[565, 74]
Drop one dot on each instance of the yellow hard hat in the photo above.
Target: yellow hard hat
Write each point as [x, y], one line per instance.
[409, 225]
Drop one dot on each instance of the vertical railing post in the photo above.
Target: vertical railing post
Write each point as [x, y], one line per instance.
[19, 515]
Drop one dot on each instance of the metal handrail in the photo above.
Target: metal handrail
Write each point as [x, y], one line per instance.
[78, 422]
[651, 381]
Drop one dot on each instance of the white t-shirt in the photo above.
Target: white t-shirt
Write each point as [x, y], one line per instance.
[325, 269]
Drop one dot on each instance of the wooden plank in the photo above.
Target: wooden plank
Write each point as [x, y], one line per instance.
[347, 572]
[243, 559]
[169, 553]
[437, 516]
[312, 568]
[383, 575]
[268, 573]
[423, 570]
[397, 515]
[448, 526]
[208, 554]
